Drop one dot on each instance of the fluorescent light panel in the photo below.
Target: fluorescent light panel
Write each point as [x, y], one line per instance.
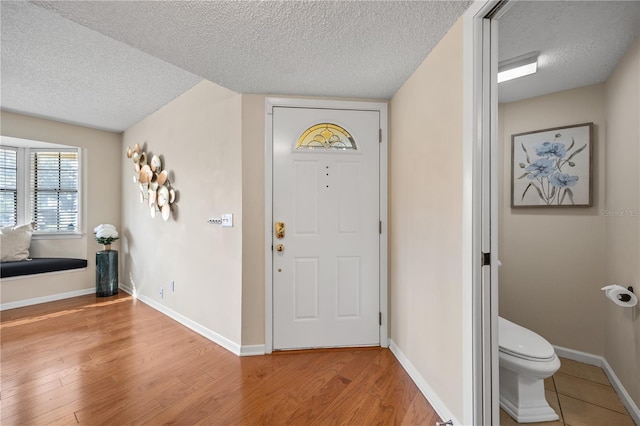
[517, 72]
[518, 67]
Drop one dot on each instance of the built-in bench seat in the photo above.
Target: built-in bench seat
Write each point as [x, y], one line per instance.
[40, 265]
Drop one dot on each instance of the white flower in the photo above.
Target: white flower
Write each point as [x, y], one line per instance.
[107, 233]
[105, 226]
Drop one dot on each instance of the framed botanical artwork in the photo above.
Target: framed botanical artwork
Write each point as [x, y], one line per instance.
[552, 167]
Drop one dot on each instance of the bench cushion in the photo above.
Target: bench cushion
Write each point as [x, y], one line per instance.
[40, 265]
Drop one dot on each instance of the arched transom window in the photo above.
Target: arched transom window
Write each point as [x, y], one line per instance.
[326, 136]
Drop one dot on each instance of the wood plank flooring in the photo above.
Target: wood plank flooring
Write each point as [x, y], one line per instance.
[116, 361]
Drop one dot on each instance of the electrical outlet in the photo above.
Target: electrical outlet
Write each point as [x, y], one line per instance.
[161, 294]
[172, 285]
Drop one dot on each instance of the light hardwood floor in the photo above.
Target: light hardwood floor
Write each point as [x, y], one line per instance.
[116, 361]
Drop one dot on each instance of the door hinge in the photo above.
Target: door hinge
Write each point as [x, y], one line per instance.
[380, 228]
[486, 259]
[379, 135]
[379, 318]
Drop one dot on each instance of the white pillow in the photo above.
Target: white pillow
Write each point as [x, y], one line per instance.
[15, 242]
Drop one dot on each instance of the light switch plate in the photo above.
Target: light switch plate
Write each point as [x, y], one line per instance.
[227, 220]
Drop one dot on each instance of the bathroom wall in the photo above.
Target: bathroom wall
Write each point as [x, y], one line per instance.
[101, 204]
[622, 217]
[426, 253]
[553, 259]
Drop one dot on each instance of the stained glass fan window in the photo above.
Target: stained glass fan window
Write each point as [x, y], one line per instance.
[326, 136]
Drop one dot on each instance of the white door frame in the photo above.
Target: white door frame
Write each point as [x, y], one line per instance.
[381, 107]
[481, 186]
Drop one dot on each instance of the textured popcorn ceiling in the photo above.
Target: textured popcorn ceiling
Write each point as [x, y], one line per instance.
[328, 48]
[54, 68]
[108, 64]
[580, 42]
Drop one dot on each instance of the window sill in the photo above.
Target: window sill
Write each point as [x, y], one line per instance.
[56, 236]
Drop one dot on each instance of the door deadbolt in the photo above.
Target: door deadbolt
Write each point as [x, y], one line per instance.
[280, 248]
[280, 230]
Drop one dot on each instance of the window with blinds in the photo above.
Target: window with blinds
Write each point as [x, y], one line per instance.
[54, 190]
[8, 186]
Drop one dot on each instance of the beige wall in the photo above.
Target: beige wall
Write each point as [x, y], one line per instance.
[552, 259]
[221, 172]
[199, 139]
[253, 233]
[426, 220]
[622, 222]
[101, 203]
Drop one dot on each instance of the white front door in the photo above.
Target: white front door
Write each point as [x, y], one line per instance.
[326, 194]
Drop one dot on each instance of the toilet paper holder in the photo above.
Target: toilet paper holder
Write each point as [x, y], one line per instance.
[621, 296]
[625, 297]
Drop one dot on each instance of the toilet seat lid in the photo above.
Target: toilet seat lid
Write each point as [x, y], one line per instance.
[523, 343]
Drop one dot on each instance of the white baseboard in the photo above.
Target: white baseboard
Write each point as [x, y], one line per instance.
[189, 323]
[601, 362]
[246, 350]
[433, 398]
[631, 406]
[128, 290]
[45, 299]
[584, 357]
[252, 350]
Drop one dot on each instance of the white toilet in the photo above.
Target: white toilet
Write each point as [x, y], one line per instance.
[526, 359]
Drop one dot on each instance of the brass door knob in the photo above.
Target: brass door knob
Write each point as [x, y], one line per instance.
[280, 230]
[280, 248]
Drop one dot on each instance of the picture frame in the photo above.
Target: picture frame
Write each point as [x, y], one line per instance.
[552, 168]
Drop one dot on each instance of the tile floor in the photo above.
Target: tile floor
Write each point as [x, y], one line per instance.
[582, 396]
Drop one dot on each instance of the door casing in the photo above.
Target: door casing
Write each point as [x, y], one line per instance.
[382, 108]
[481, 153]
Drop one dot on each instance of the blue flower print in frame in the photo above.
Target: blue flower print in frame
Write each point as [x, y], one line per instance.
[552, 167]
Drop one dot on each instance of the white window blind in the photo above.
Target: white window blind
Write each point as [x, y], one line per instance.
[54, 190]
[8, 186]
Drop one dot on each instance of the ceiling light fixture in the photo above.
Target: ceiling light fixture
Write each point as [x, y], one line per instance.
[518, 67]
